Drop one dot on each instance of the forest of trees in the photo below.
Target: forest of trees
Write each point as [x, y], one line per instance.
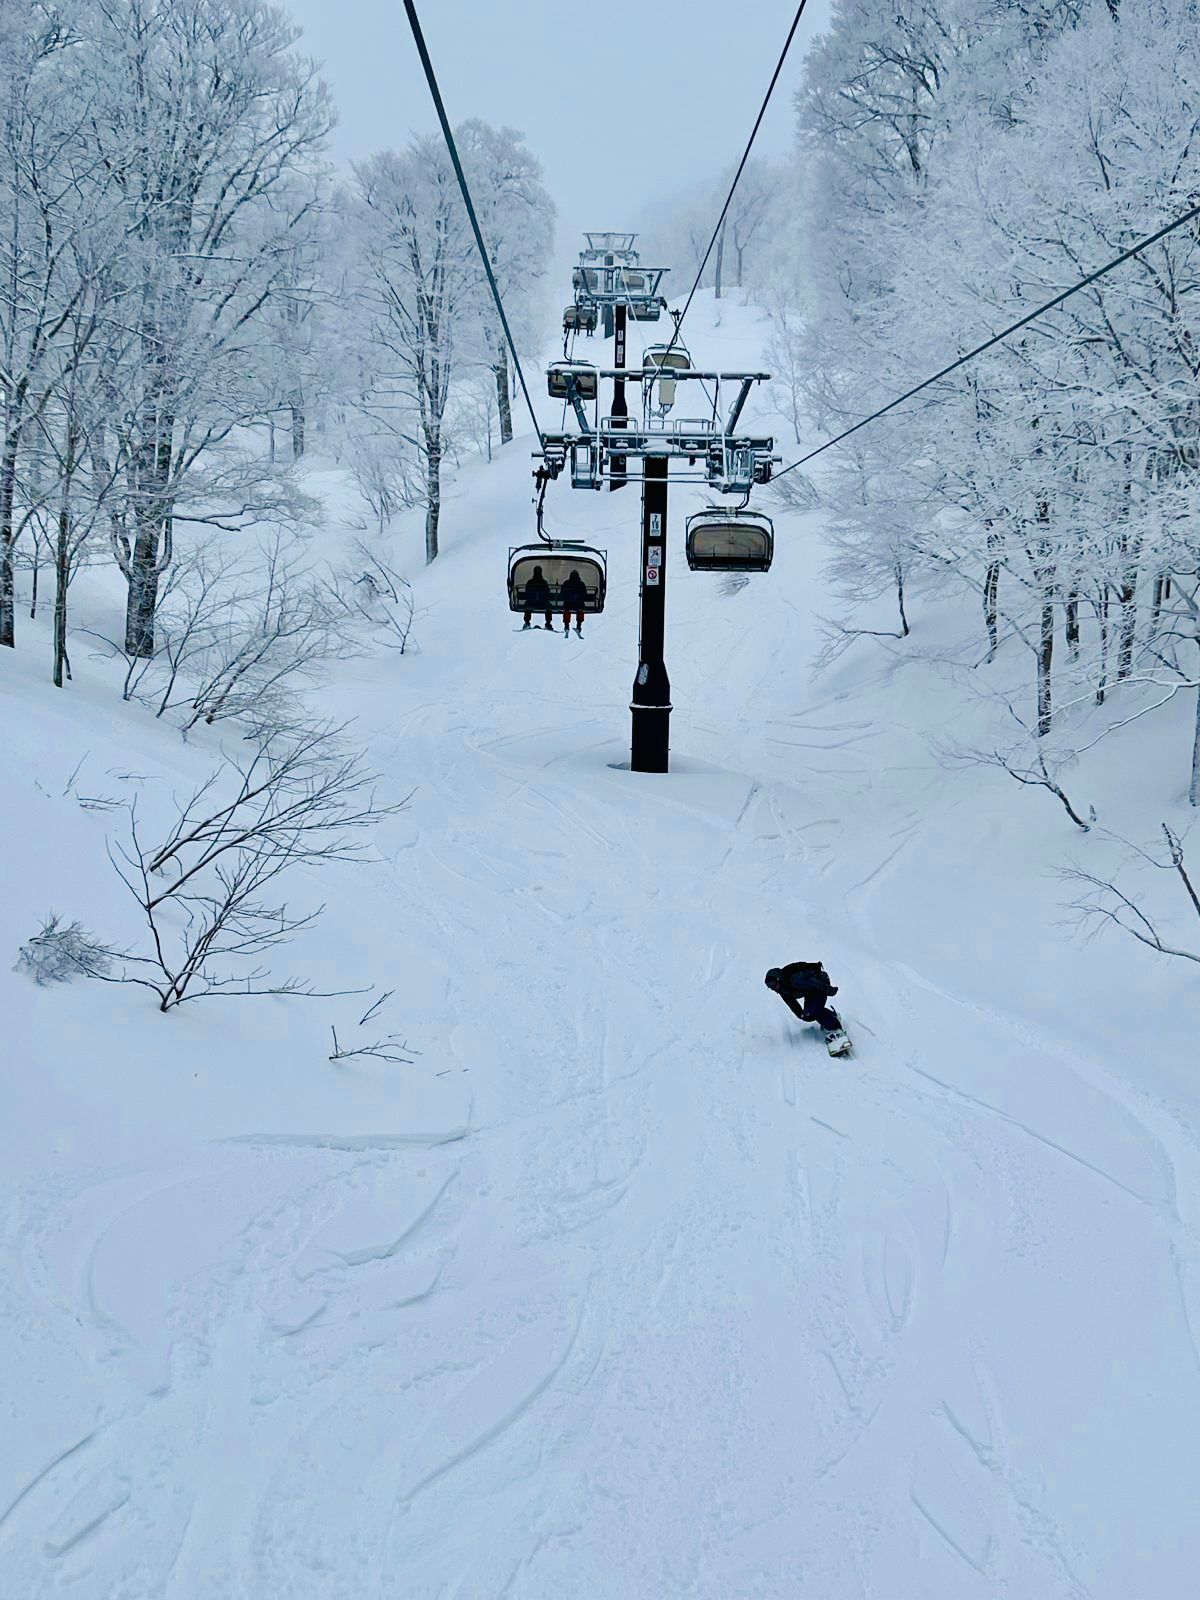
[183, 278]
[958, 163]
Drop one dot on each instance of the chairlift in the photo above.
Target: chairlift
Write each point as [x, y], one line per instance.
[562, 376]
[587, 470]
[579, 318]
[667, 358]
[732, 468]
[554, 563]
[720, 540]
[647, 309]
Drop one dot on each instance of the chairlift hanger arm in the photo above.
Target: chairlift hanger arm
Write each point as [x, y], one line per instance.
[743, 396]
[577, 407]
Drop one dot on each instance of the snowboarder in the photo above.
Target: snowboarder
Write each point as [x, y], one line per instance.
[537, 598]
[574, 598]
[804, 987]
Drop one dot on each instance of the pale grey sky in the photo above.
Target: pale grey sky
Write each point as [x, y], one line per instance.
[622, 104]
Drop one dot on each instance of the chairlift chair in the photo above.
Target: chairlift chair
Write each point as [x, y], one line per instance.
[579, 318]
[557, 560]
[647, 309]
[587, 469]
[561, 375]
[720, 540]
[667, 358]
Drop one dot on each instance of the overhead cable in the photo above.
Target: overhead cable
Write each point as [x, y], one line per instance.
[448, 135]
[996, 338]
[762, 111]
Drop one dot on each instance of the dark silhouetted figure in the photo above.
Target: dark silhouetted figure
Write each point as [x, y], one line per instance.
[537, 598]
[574, 598]
[804, 987]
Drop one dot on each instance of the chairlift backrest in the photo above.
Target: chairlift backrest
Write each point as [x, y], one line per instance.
[730, 541]
[548, 568]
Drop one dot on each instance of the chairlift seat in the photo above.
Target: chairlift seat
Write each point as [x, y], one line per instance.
[645, 310]
[557, 562]
[561, 374]
[730, 541]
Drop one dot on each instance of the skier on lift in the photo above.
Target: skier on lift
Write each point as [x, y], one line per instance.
[574, 598]
[804, 987]
[537, 598]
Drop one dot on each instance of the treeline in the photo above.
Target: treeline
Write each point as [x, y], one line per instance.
[960, 162]
[183, 278]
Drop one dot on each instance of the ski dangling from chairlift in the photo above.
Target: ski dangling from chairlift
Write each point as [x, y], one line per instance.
[721, 540]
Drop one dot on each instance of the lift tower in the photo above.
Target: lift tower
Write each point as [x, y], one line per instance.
[710, 449]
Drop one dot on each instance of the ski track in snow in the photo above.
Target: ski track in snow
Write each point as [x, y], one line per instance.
[680, 1307]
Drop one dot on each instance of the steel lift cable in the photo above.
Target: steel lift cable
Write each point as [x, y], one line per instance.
[448, 135]
[762, 111]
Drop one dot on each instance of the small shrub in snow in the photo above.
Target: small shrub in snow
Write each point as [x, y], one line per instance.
[58, 953]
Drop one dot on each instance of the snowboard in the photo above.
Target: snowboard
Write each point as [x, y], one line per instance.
[838, 1043]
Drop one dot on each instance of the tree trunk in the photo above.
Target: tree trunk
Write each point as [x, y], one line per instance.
[1045, 662]
[1102, 622]
[143, 591]
[62, 577]
[1072, 624]
[151, 554]
[898, 573]
[1194, 785]
[62, 559]
[991, 601]
[503, 403]
[433, 492]
[1127, 593]
[719, 262]
[8, 493]
[297, 410]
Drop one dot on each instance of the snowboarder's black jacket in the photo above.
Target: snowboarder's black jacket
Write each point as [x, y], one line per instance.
[805, 980]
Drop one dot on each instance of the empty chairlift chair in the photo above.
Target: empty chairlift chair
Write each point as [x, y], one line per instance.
[561, 374]
[667, 359]
[730, 541]
[556, 563]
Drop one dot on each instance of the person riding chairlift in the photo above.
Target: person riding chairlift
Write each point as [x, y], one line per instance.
[574, 597]
[537, 598]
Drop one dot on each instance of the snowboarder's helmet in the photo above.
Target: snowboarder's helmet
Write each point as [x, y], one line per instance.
[772, 978]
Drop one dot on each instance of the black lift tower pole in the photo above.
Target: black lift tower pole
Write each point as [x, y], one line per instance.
[651, 703]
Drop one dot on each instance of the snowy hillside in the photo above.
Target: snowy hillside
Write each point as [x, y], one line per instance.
[621, 1289]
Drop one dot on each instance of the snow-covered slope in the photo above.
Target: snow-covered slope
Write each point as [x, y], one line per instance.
[623, 1289]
